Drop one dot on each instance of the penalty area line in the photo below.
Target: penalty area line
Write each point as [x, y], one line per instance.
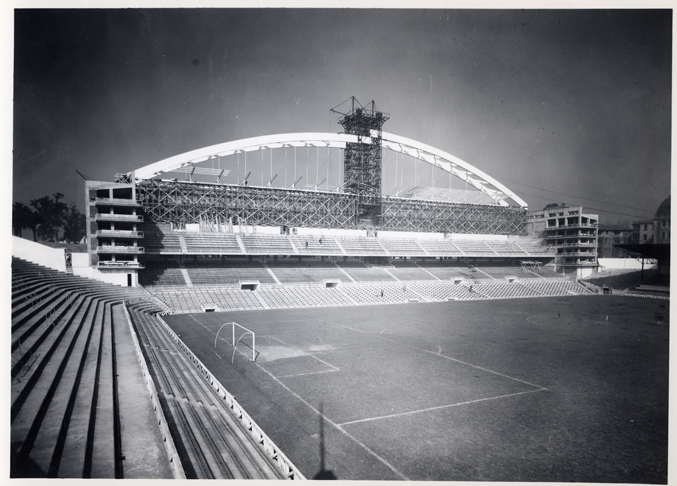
[412, 412]
[335, 425]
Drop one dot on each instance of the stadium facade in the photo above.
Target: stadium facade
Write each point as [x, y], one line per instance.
[125, 218]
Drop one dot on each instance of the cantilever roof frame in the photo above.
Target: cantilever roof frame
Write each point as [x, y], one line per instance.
[438, 158]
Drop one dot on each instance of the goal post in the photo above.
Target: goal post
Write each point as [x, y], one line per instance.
[238, 332]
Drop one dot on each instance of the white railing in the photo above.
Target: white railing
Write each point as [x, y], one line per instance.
[260, 437]
[120, 233]
[119, 264]
[117, 217]
[120, 249]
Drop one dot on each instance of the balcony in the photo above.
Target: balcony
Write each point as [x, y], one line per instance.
[107, 201]
[578, 264]
[575, 235]
[119, 264]
[119, 234]
[120, 249]
[119, 217]
[585, 244]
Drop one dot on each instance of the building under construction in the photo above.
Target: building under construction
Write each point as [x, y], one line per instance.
[186, 193]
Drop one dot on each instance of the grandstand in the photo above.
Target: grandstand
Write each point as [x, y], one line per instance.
[158, 246]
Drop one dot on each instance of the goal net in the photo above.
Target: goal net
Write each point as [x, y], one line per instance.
[239, 336]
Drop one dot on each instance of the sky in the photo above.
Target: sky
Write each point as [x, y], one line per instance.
[566, 106]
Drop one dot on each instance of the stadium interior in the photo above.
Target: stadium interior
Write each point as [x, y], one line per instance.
[88, 336]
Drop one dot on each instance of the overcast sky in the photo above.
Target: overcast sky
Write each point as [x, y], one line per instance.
[560, 105]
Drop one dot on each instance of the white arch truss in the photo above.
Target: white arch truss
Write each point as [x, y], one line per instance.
[438, 158]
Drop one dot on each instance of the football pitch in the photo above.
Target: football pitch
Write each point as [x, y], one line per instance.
[567, 389]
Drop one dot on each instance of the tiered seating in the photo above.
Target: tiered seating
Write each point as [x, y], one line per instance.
[161, 273]
[446, 291]
[70, 342]
[156, 241]
[204, 272]
[374, 294]
[306, 272]
[556, 287]
[440, 247]
[533, 247]
[361, 273]
[402, 247]
[504, 290]
[473, 247]
[215, 438]
[500, 272]
[505, 248]
[212, 243]
[304, 297]
[270, 244]
[194, 300]
[404, 270]
[445, 270]
[362, 245]
[316, 245]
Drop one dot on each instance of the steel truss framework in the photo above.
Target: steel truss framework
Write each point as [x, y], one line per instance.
[429, 216]
[443, 160]
[182, 203]
[362, 161]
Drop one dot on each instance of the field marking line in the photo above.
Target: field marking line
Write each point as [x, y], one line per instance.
[217, 354]
[222, 339]
[309, 373]
[334, 424]
[439, 353]
[485, 369]
[439, 407]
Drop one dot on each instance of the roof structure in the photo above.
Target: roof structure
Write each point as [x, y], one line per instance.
[461, 169]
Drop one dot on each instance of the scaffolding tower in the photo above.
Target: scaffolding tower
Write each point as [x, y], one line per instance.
[362, 160]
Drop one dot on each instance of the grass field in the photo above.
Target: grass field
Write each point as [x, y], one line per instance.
[503, 390]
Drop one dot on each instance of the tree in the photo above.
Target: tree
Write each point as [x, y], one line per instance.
[73, 225]
[554, 206]
[50, 213]
[23, 217]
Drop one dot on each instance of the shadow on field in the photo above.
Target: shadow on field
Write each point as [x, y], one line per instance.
[323, 473]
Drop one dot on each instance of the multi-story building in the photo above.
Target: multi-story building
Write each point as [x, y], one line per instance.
[572, 232]
[611, 235]
[113, 221]
[661, 223]
[642, 232]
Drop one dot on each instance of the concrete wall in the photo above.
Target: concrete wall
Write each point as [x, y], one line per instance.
[622, 263]
[80, 262]
[54, 258]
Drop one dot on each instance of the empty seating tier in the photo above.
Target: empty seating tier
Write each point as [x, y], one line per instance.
[362, 246]
[402, 247]
[270, 245]
[68, 416]
[204, 272]
[316, 245]
[212, 243]
[362, 273]
[306, 272]
[214, 437]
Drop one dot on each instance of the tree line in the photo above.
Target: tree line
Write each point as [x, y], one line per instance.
[50, 219]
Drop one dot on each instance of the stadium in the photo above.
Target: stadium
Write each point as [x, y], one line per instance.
[224, 326]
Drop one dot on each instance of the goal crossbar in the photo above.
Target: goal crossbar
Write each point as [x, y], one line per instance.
[235, 342]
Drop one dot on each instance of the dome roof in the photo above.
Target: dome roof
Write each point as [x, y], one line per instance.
[664, 209]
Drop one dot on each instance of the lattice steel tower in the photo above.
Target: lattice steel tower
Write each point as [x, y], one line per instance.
[362, 160]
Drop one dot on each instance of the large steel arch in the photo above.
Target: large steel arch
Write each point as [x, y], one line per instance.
[438, 158]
